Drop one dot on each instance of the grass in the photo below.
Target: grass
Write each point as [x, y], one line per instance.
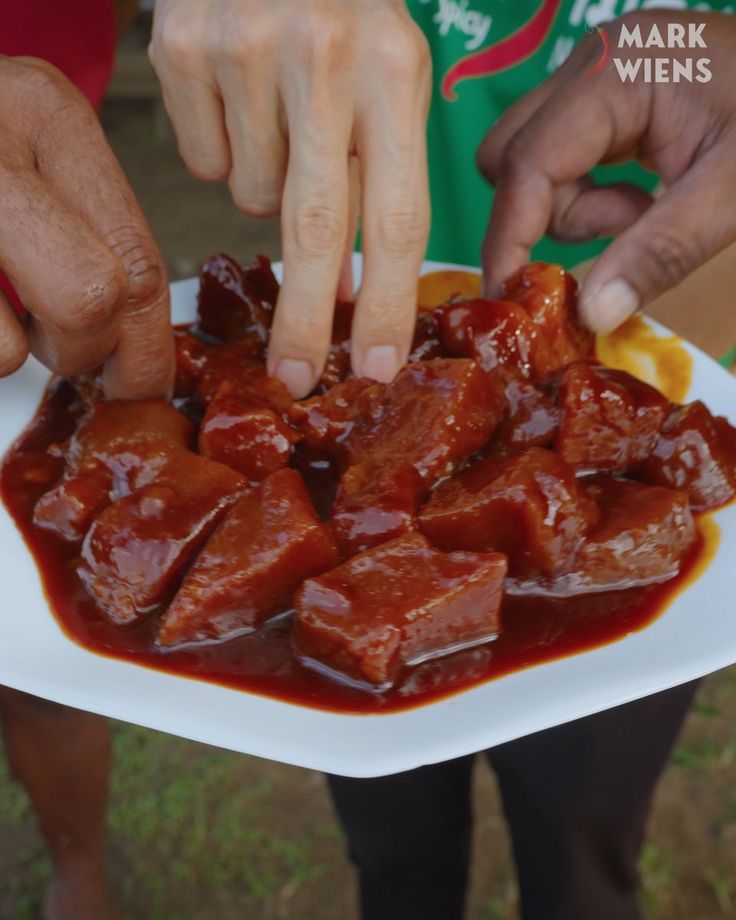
[658, 868]
[199, 833]
[188, 823]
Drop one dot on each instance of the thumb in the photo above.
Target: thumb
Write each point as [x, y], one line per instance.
[691, 223]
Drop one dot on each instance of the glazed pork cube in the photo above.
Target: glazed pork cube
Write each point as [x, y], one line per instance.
[191, 359]
[394, 606]
[233, 363]
[695, 452]
[496, 334]
[609, 420]
[235, 302]
[337, 366]
[326, 422]
[642, 536]
[529, 507]
[374, 504]
[427, 342]
[531, 418]
[140, 546]
[118, 447]
[269, 542]
[245, 434]
[550, 296]
[432, 415]
[438, 411]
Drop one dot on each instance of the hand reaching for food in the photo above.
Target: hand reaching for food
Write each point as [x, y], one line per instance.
[539, 154]
[279, 97]
[74, 243]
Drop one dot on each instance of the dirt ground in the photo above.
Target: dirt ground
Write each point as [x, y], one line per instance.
[202, 834]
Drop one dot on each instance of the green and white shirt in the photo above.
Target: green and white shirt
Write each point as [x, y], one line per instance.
[487, 54]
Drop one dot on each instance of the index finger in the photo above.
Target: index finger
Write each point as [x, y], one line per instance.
[392, 144]
[540, 156]
[75, 160]
[314, 228]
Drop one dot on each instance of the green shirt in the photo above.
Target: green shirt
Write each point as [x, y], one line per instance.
[477, 76]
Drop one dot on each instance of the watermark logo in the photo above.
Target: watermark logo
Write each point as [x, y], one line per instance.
[660, 68]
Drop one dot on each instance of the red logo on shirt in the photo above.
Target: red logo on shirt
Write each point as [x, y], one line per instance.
[504, 54]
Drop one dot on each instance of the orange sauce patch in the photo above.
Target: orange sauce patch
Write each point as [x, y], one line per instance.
[437, 288]
[661, 361]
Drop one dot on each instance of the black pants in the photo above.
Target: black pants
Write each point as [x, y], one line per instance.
[576, 799]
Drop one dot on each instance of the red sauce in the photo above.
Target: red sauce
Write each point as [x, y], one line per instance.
[534, 631]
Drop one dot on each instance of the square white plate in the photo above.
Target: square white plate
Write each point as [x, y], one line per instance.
[695, 636]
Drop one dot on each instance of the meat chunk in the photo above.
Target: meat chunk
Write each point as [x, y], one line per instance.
[609, 420]
[433, 414]
[245, 433]
[427, 342]
[374, 504]
[642, 537]
[139, 547]
[191, 360]
[529, 507]
[118, 447]
[695, 452]
[549, 295]
[235, 302]
[326, 422]
[270, 541]
[397, 605]
[531, 418]
[337, 366]
[496, 334]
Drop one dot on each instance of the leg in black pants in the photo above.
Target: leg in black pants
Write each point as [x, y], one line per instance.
[576, 798]
[409, 837]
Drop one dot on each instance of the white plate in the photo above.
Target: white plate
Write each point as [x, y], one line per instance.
[696, 635]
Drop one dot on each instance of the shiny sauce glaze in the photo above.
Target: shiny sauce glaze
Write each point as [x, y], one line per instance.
[535, 630]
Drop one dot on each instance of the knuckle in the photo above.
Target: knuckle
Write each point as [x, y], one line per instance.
[317, 230]
[668, 257]
[205, 168]
[256, 203]
[176, 44]
[146, 279]
[321, 33]
[13, 354]
[402, 231]
[404, 53]
[40, 71]
[511, 164]
[93, 301]
[203, 162]
[35, 85]
[240, 37]
[487, 157]
[255, 199]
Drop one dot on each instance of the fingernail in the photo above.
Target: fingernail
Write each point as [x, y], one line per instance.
[381, 362]
[604, 309]
[297, 375]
